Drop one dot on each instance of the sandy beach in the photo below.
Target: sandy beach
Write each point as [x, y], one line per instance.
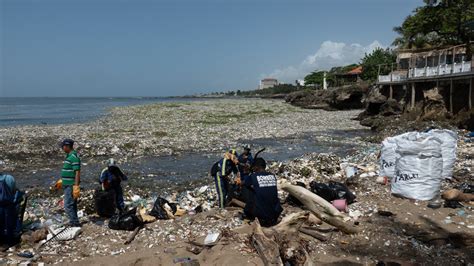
[137, 133]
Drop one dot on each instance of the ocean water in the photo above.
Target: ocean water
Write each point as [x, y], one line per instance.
[27, 111]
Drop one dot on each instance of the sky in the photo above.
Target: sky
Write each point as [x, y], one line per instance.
[118, 48]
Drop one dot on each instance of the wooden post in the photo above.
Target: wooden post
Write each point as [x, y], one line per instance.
[454, 58]
[470, 93]
[378, 74]
[391, 74]
[451, 97]
[413, 95]
[426, 65]
[391, 92]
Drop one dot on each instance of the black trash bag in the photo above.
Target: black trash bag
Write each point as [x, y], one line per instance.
[105, 204]
[466, 188]
[291, 200]
[159, 211]
[198, 209]
[127, 221]
[332, 191]
[453, 204]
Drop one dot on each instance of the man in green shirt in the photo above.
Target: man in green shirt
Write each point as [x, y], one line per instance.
[71, 179]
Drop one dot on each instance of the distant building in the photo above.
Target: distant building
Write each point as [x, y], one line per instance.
[349, 77]
[299, 82]
[268, 83]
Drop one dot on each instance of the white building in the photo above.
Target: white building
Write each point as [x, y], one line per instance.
[299, 82]
[268, 83]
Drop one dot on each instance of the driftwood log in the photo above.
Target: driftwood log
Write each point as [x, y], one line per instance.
[313, 233]
[285, 238]
[455, 194]
[267, 249]
[319, 207]
[132, 235]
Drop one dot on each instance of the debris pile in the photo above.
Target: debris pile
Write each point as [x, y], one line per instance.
[387, 229]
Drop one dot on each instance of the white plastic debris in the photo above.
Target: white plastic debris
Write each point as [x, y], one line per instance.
[63, 234]
[211, 238]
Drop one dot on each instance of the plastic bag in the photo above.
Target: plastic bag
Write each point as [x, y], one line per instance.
[332, 191]
[449, 145]
[159, 210]
[63, 234]
[105, 204]
[127, 221]
[418, 168]
[388, 154]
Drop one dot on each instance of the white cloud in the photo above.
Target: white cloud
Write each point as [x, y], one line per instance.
[329, 54]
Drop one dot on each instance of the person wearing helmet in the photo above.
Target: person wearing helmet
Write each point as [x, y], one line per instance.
[245, 161]
[111, 177]
[221, 172]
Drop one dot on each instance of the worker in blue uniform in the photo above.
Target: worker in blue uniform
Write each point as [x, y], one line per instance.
[263, 203]
[221, 171]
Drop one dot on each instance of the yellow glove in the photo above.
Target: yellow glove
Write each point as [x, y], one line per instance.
[59, 184]
[76, 192]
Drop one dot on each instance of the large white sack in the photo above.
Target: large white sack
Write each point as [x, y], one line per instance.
[388, 155]
[449, 145]
[418, 168]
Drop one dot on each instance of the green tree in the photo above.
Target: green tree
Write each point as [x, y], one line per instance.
[315, 77]
[438, 22]
[370, 63]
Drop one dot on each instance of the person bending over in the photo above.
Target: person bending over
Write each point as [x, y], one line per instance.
[263, 202]
[221, 172]
[111, 178]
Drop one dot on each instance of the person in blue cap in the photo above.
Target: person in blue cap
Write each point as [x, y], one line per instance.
[221, 172]
[71, 179]
[111, 177]
[263, 203]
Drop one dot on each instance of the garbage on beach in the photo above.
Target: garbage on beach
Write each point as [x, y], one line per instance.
[448, 145]
[332, 191]
[211, 238]
[105, 202]
[449, 140]
[418, 168]
[417, 162]
[62, 233]
[127, 221]
[163, 209]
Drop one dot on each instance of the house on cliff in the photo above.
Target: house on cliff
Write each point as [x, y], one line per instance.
[349, 77]
[418, 73]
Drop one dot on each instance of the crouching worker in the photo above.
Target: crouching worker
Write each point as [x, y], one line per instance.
[263, 202]
[110, 179]
[12, 208]
[71, 179]
[221, 172]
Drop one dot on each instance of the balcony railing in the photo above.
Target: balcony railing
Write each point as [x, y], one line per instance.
[393, 77]
[439, 70]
